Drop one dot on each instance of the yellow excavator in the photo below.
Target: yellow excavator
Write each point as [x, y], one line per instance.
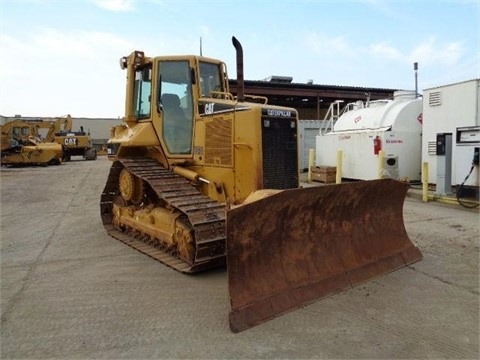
[73, 142]
[201, 178]
[21, 145]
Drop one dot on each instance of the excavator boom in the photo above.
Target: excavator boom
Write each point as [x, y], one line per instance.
[296, 246]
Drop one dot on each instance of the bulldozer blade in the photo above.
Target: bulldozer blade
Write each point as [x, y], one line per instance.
[292, 248]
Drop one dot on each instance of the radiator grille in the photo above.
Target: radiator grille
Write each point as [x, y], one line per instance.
[218, 142]
[280, 158]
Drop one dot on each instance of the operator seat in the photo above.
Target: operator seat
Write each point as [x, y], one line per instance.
[177, 128]
[171, 107]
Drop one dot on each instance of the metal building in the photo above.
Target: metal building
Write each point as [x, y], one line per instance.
[451, 112]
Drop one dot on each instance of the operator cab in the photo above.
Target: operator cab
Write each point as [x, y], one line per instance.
[173, 83]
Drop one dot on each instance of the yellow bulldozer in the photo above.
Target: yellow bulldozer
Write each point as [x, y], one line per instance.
[201, 179]
[21, 145]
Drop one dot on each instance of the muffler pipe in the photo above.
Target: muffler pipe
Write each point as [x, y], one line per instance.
[240, 82]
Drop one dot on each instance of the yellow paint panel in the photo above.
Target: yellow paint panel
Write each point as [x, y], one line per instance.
[142, 134]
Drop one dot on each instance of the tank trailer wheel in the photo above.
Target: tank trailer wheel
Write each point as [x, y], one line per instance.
[131, 187]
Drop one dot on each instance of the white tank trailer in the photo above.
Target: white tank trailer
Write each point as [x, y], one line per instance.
[378, 139]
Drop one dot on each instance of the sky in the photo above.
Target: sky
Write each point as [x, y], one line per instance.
[62, 57]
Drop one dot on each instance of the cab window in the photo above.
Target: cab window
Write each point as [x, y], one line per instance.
[143, 92]
[210, 80]
[176, 105]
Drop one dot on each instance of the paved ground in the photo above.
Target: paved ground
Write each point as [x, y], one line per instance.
[69, 291]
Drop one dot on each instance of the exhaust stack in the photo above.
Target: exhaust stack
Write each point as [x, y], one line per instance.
[240, 84]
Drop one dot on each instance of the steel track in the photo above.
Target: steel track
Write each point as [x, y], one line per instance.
[206, 216]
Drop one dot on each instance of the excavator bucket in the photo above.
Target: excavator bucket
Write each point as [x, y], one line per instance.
[299, 245]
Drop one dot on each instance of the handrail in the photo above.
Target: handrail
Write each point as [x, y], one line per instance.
[331, 117]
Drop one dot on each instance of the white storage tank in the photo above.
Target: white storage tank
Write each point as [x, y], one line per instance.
[391, 126]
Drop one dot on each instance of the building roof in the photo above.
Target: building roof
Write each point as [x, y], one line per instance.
[301, 95]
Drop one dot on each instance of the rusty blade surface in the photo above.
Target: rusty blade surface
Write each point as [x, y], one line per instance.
[299, 245]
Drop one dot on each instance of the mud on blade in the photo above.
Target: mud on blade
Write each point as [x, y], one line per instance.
[292, 248]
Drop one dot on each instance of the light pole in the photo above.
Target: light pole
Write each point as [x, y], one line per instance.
[415, 67]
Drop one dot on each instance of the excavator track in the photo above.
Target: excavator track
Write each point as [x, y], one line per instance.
[206, 216]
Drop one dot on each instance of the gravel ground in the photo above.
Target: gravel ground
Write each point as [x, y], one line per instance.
[70, 291]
